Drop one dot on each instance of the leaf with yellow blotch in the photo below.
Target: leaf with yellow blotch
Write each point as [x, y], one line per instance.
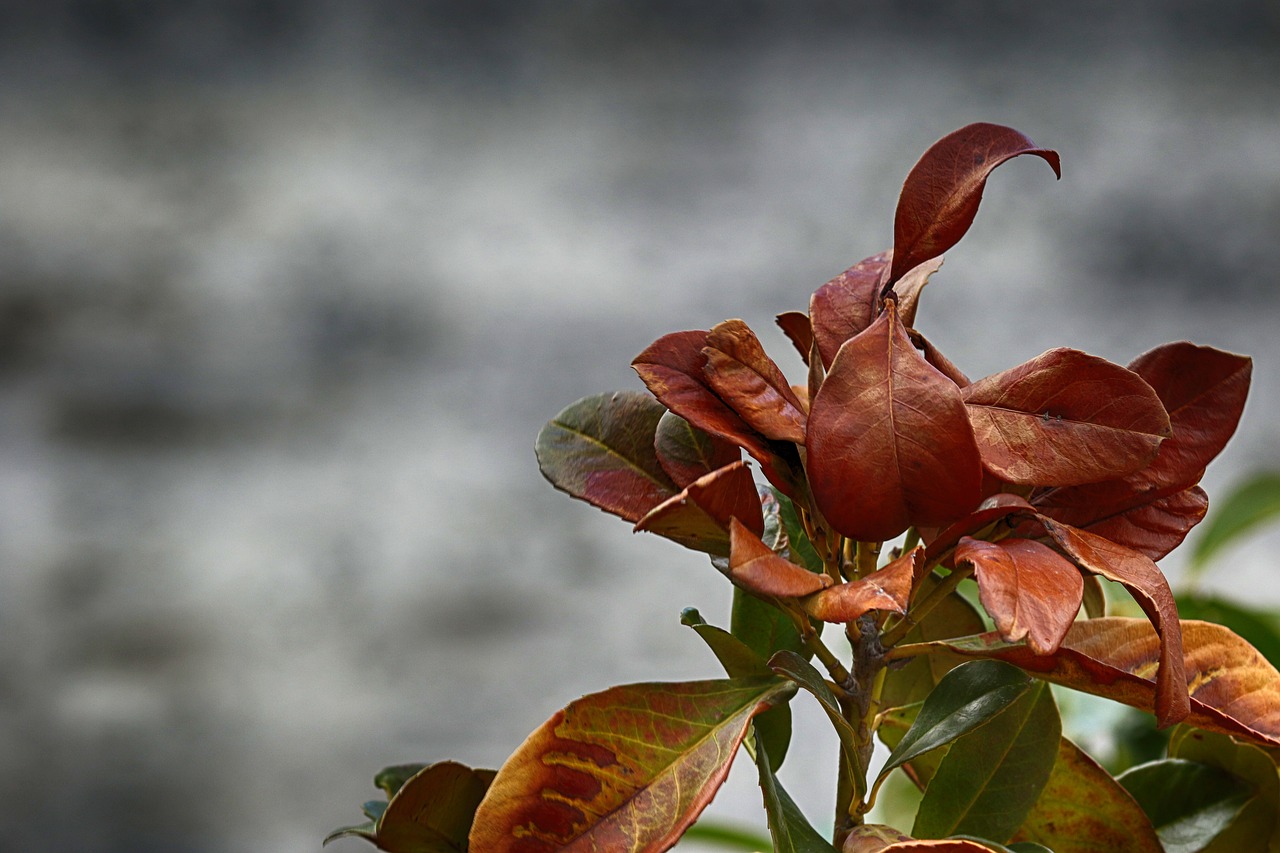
[749, 383]
[699, 516]
[1082, 809]
[887, 588]
[941, 194]
[1029, 589]
[1065, 418]
[627, 770]
[600, 450]
[889, 441]
[1231, 687]
[756, 568]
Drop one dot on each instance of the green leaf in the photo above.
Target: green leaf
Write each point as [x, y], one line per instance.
[392, 779]
[739, 661]
[964, 699]
[730, 837]
[1250, 505]
[796, 669]
[788, 826]
[894, 724]
[801, 549]
[1257, 827]
[628, 769]
[1082, 809]
[1188, 802]
[764, 628]
[989, 779]
[1258, 628]
[954, 616]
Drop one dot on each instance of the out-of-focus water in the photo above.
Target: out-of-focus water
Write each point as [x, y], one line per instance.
[280, 317]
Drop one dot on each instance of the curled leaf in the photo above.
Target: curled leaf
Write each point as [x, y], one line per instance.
[795, 325]
[941, 194]
[755, 567]
[847, 305]
[887, 588]
[687, 453]
[749, 383]
[699, 516]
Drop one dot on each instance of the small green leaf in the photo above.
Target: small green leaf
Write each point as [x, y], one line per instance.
[764, 628]
[1250, 505]
[964, 699]
[802, 551]
[991, 777]
[1188, 802]
[791, 831]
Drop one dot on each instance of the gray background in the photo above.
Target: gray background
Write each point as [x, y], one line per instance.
[287, 290]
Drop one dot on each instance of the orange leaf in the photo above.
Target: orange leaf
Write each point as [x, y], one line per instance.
[847, 304]
[626, 770]
[749, 382]
[887, 588]
[1030, 590]
[889, 441]
[1231, 687]
[699, 516]
[756, 568]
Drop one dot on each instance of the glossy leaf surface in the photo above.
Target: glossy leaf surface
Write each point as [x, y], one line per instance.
[789, 828]
[600, 449]
[1257, 826]
[797, 670]
[755, 567]
[1065, 418]
[628, 769]
[941, 194]
[748, 381]
[699, 516]
[1082, 809]
[889, 441]
[887, 588]
[990, 778]
[1029, 589]
[1233, 689]
[1188, 802]
[687, 453]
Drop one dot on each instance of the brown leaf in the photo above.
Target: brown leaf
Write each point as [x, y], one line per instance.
[1204, 391]
[1232, 688]
[756, 568]
[687, 453]
[889, 442]
[795, 325]
[909, 288]
[941, 194]
[991, 510]
[1030, 590]
[1065, 418]
[935, 357]
[887, 588]
[699, 516]
[625, 770]
[1149, 588]
[847, 304]
[748, 381]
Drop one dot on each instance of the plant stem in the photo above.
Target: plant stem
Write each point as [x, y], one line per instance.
[913, 616]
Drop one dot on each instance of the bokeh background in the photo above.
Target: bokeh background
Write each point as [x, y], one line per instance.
[288, 288]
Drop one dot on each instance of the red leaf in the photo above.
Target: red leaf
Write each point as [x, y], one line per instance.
[626, 770]
[749, 382]
[1149, 588]
[687, 453]
[1028, 588]
[847, 304]
[889, 441]
[699, 516]
[1155, 528]
[795, 325]
[887, 588]
[1204, 391]
[1065, 418]
[935, 357]
[990, 510]
[909, 287]
[941, 194]
[756, 568]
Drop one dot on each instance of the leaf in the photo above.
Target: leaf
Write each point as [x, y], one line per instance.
[1065, 418]
[795, 325]
[699, 516]
[1249, 505]
[846, 305]
[909, 287]
[991, 510]
[1233, 689]
[788, 826]
[1149, 588]
[1258, 628]
[392, 779]
[431, 811]
[725, 835]
[754, 567]
[964, 699]
[1095, 600]
[941, 194]
[954, 616]
[990, 778]
[1019, 847]
[1189, 802]
[798, 544]
[1082, 809]
[940, 845]
[687, 453]
[889, 442]
[896, 722]
[750, 384]
[628, 769]
[871, 838]
[1204, 391]
[797, 670]
[762, 626]
[1028, 588]
[1257, 827]
[600, 450]
[888, 589]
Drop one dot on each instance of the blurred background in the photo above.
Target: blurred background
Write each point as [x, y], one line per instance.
[288, 288]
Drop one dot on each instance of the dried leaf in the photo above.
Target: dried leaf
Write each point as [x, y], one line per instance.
[941, 194]
[1065, 418]
[909, 287]
[847, 305]
[889, 441]
[628, 769]
[699, 516]
[753, 566]
[887, 588]
[748, 381]
[795, 325]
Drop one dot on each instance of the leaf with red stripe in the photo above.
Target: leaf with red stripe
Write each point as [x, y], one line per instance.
[889, 442]
[941, 194]
[626, 770]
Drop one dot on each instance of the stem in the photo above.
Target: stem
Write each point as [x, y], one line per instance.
[868, 557]
[813, 643]
[913, 617]
[908, 650]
